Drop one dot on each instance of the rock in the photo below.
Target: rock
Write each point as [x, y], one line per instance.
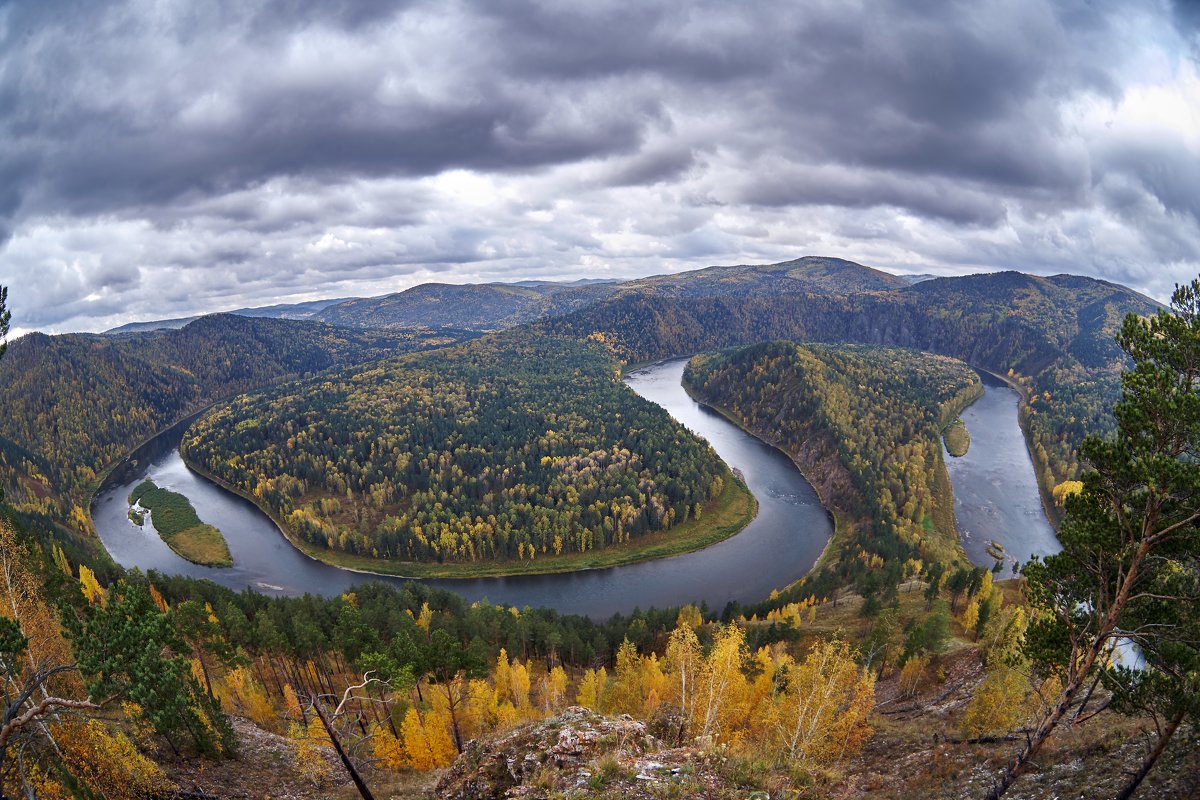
[566, 744]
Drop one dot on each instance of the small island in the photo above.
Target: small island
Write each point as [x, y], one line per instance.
[957, 439]
[177, 523]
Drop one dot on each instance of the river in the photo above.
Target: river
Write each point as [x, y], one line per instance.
[996, 494]
[995, 499]
[777, 547]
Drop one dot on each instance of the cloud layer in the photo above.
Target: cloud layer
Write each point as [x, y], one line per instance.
[160, 158]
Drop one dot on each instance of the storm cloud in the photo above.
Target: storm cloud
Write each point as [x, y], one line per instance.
[161, 158]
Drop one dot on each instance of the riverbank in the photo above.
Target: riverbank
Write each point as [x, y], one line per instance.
[818, 459]
[726, 515]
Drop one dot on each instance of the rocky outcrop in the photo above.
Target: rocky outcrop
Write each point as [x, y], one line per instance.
[578, 753]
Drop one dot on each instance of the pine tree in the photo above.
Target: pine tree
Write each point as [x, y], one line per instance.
[1131, 526]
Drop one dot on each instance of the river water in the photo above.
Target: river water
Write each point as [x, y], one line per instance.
[995, 488]
[777, 547]
[995, 498]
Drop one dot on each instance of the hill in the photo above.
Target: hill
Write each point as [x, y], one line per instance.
[864, 425]
[494, 306]
[77, 403]
[513, 449]
[305, 310]
[812, 274]
[482, 307]
[1052, 336]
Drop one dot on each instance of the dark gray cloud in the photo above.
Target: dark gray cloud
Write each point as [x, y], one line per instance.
[158, 159]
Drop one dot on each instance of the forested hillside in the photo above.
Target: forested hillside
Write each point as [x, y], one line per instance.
[510, 447]
[1054, 334]
[811, 274]
[873, 415]
[75, 404]
[480, 307]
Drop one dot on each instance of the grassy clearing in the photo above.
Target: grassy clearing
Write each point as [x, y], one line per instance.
[957, 438]
[731, 511]
[178, 525]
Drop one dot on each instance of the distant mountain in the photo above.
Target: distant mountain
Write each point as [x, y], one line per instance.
[812, 274]
[495, 306]
[480, 307]
[305, 310]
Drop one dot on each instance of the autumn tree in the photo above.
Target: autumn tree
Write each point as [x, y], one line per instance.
[1132, 524]
[450, 668]
[821, 715]
[38, 676]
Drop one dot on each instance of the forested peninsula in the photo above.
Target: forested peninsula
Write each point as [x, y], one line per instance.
[864, 425]
[516, 452]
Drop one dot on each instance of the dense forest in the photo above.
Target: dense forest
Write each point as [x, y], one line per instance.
[1054, 337]
[879, 411]
[148, 686]
[77, 403]
[509, 447]
[479, 307]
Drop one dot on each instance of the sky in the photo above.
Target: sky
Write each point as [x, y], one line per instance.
[161, 158]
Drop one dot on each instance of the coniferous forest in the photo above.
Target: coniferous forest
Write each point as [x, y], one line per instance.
[881, 410]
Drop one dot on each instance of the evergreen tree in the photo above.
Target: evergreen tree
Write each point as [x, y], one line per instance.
[1130, 530]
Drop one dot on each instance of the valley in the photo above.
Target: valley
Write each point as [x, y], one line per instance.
[599, 494]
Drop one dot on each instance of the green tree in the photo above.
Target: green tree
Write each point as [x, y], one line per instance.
[1134, 521]
[127, 648]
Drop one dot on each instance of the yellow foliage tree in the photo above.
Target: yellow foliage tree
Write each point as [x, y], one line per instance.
[591, 688]
[821, 715]
[500, 676]
[970, 615]
[911, 675]
[624, 696]
[107, 762]
[388, 751]
[241, 693]
[427, 740]
[998, 705]
[91, 587]
[309, 748]
[689, 616]
[552, 690]
[685, 671]
[723, 685]
[518, 686]
[1064, 490]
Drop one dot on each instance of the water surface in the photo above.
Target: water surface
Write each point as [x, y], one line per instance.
[996, 495]
[777, 547]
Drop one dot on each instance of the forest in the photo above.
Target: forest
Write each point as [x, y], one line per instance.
[1054, 337]
[75, 404]
[123, 685]
[509, 447]
[882, 410]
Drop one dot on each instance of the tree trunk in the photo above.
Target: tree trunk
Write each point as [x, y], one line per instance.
[1148, 764]
[359, 783]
